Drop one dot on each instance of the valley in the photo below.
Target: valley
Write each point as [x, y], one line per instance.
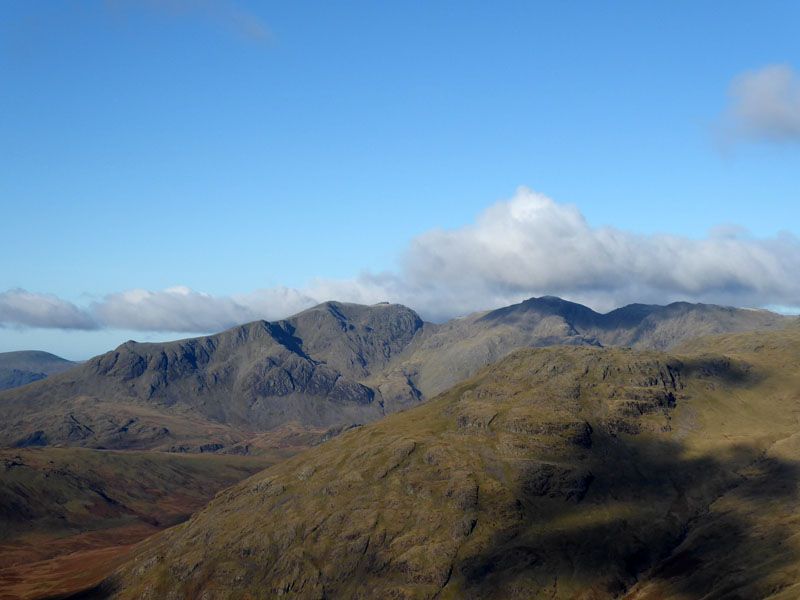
[65, 508]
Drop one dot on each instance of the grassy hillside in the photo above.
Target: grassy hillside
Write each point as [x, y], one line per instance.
[566, 472]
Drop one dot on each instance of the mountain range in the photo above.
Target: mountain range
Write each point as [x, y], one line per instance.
[333, 365]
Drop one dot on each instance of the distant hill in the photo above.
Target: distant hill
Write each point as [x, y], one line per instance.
[26, 366]
[562, 473]
[334, 364]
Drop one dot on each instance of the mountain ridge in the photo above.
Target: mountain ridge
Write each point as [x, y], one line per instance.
[333, 364]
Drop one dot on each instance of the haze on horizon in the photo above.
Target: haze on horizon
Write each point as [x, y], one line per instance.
[173, 168]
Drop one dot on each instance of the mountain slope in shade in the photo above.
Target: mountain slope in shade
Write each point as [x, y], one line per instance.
[555, 473]
[334, 364]
[26, 366]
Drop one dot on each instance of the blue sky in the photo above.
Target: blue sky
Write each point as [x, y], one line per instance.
[311, 149]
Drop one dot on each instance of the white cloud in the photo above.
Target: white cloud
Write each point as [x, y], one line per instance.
[21, 308]
[183, 309]
[530, 245]
[526, 246]
[173, 309]
[765, 104]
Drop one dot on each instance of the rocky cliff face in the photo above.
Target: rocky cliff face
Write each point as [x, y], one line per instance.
[355, 340]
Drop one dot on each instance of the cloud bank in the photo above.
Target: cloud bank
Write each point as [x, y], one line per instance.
[183, 309]
[21, 308]
[765, 105]
[526, 246]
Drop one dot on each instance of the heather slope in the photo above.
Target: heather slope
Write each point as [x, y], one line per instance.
[63, 508]
[566, 472]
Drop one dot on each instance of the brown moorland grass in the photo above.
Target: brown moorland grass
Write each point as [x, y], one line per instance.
[67, 515]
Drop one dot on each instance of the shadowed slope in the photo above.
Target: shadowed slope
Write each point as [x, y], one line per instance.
[555, 473]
